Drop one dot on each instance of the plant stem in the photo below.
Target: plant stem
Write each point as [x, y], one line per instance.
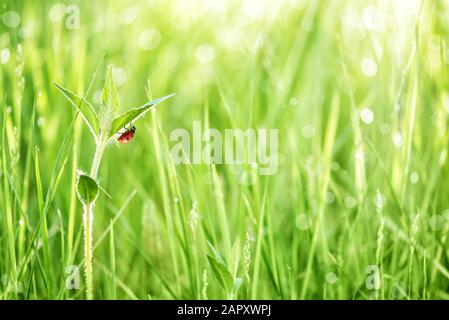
[88, 219]
[97, 159]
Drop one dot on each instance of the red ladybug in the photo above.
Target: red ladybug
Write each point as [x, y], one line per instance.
[127, 136]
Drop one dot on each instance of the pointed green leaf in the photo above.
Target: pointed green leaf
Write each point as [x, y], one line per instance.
[221, 273]
[216, 253]
[84, 107]
[132, 115]
[87, 189]
[109, 96]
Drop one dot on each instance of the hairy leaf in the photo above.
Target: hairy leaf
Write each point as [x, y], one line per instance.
[87, 189]
[84, 107]
[132, 115]
[109, 96]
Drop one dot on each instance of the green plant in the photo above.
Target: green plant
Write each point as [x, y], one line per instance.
[104, 126]
[312, 69]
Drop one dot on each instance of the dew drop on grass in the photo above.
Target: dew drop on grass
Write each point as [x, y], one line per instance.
[414, 178]
[350, 202]
[230, 38]
[11, 19]
[205, 53]
[303, 221]
[372, 18]
[331, 277]
[369, 67]
[367, 115]
[57, 12]
[40, 121]
[25, 32]
[308, 131]
[398, 141]
[5, 54]
[385, 129]
[149, 39]
[329, 197]
[9, 109]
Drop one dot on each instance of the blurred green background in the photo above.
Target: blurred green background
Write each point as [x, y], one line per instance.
[358, 91]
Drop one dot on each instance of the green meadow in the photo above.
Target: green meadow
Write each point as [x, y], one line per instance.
[357, 92]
